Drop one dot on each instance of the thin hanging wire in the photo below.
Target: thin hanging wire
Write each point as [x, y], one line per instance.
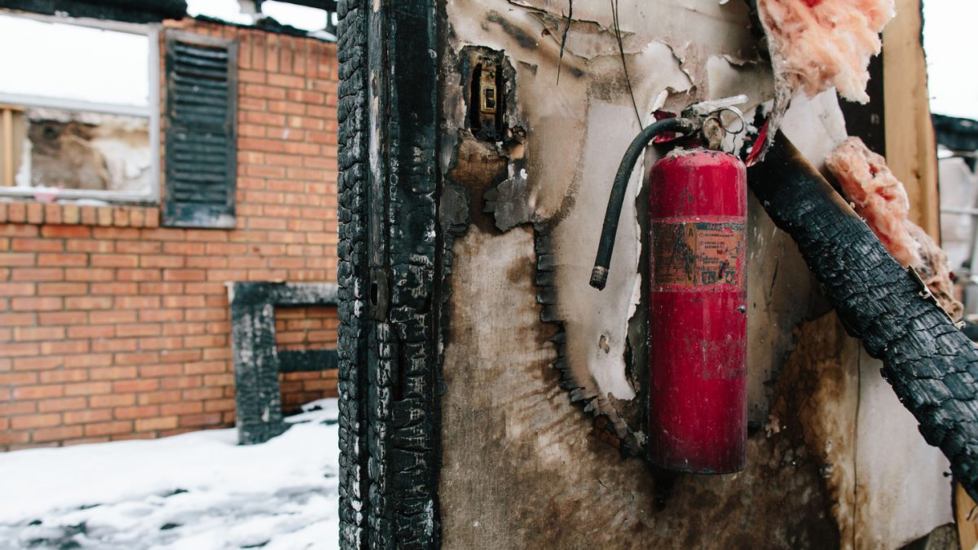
[563, 39]
[624, 65]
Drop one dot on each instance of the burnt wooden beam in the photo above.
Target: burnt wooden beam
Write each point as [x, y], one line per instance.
[130, 11]
[328, 5]
[931, 365]
[306, 360]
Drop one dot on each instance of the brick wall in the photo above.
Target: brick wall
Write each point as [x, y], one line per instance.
[306, 327]
[112, 327]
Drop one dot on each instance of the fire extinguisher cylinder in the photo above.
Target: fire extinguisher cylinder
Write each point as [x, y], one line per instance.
[698, 312]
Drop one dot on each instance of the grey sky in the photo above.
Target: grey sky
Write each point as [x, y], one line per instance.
[951, 43]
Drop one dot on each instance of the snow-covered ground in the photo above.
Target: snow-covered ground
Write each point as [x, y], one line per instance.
[193, 491]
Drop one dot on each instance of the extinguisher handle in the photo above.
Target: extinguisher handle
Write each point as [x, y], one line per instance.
[606, 245]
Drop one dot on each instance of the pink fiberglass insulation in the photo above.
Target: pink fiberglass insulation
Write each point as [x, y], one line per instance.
[880, 198]
[817, 44]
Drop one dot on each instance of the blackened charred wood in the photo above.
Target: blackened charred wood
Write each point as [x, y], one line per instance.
[354, 504]
[389, 243]
[130, 11]
[931, 365]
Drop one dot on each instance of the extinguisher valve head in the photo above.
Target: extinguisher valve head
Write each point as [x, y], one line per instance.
[599, 277]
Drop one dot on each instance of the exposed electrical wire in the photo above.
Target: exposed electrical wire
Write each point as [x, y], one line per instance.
[563, 39]
[624, 65]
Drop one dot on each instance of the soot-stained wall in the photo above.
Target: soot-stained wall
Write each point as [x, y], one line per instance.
[542, 410]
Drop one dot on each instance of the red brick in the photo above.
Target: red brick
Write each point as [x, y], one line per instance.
[61, 376]
[88, 331]
[88, 302]
[114, 288]
[62, 289]
[88, 388]
[87, 416]
[21, 349]
[135, 386]
[38, 392]
[17, 407]
[137, 329]
[161, 423]
[62, 259]
[18, 378]
[56, 434]
[89, 274]
[8, 259]
[66, 231]
[162, 261]
[17, 319]
[88, 360]
[47, 303]
[112, 400]
[200, 420]
[35, 213]
[115, 260]
[116, 345]
[24, 334]
[129, 413]
[17, 289]
[156, 397]
[187, 407]
[137, 302]
[62, 317]
[138, 247]
[90, 246]
[141, 358]
[61, 404]
[112, 373]
[38, 274]
[112, 316]
[116, 233]
[139, 275]
[108, 428]
[37, 245]
[161, 315]
[203, 393]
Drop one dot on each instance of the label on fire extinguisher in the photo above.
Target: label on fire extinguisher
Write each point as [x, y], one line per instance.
[697, 254]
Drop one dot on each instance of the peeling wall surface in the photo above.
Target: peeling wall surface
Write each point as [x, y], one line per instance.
[543, 411]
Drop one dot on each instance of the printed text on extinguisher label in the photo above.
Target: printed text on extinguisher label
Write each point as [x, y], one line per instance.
[697, 254]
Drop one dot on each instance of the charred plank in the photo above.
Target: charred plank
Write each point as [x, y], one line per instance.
[927, 361]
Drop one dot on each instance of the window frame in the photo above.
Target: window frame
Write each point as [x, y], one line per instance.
[152, 111]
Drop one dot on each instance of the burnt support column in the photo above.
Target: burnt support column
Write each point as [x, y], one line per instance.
[389, 239]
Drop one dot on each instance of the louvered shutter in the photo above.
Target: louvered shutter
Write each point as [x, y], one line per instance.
[201, 149]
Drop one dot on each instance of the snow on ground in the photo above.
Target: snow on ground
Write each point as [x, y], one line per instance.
[196, 491]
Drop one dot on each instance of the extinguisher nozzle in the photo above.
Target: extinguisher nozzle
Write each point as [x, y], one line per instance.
[599, 277]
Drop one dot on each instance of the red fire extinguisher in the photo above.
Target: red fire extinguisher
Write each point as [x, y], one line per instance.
[698, 304]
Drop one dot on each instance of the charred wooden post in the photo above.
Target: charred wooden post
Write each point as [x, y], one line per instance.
[389, 239]
[932, 366]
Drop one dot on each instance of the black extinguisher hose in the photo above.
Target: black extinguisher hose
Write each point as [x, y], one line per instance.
[599, 275]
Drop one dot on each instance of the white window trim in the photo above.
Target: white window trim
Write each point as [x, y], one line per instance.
[152, 111]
